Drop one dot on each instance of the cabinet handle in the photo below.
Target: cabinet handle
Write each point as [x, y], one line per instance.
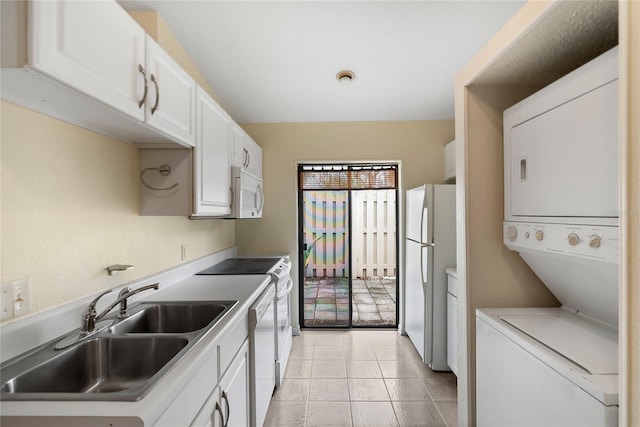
[226, 404]
[146, 86]
[155, 106]
[246, 158]
[219, 409]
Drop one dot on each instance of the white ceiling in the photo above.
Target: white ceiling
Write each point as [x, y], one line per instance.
[273, 61]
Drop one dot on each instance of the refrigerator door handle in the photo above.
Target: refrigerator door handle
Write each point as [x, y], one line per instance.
[424, 265]
[422, 270]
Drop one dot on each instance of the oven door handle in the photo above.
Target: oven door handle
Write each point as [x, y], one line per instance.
[284, 293]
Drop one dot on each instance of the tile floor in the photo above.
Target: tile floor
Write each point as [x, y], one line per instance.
[326, 302]
[361, 378]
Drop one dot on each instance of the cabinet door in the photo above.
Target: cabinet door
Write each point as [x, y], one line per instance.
[234, 389]
[450, 161]
[171, 101]
[254, 162]
[94, 47]
[239, 154]
[211, 413]
[452, 332]
[212, 180]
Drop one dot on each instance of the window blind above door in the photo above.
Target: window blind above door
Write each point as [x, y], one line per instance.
[348, 177]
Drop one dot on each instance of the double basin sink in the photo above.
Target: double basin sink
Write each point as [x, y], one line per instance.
[121, 362]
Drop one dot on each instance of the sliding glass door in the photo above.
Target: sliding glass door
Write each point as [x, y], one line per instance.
[348, 245]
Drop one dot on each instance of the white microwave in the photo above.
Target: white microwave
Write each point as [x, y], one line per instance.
[247, 197]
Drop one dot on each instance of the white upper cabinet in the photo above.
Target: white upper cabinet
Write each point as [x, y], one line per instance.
[246, 153]
[94, 47]
[90, 64]
[212, 177]
[450, 161]
[171, 95]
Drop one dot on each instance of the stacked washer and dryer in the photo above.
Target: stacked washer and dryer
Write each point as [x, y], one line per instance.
[559, 366]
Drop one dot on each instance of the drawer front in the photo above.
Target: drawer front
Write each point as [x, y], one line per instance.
[231, 343]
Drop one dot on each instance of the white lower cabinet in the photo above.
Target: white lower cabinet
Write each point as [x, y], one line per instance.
[452, 320]
[211, 413]
[188, 404]
[234, 389]
[228, 403]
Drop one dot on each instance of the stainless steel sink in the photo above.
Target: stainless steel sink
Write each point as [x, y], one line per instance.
[99, 365]
[170, 317]
[120, 363]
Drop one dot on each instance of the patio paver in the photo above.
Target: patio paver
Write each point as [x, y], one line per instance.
[326, 302]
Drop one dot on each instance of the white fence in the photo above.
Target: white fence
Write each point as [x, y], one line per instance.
[374, 233]
[373, 227]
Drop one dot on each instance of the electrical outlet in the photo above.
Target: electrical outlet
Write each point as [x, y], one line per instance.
[6, 301]
[183, 251]
[21, 297]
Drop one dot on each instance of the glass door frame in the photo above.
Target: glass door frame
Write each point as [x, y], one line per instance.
[301, 243]
[301, 267]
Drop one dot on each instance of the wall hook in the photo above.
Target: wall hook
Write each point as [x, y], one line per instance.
[163, 170]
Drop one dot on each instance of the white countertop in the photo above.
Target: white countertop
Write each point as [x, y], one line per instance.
[244, 289]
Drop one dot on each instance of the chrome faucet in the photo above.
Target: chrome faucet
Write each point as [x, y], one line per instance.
[90, 316]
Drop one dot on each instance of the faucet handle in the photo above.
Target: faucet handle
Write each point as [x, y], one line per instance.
[92, 304]
[89, 315]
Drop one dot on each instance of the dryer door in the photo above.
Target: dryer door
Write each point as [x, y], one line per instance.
[563, 163]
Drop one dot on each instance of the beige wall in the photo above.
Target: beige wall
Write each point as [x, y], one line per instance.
[418, 146]
[70, 209]
[70, 205]
[630, 219]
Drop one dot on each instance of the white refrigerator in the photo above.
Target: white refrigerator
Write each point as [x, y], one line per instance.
[430, 247]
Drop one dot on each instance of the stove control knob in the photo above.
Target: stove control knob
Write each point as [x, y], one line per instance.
[512, 233]
[539, 235]
[594, 241]
[574, 239]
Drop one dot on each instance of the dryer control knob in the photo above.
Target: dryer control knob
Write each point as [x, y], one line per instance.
[594, 241]
[512, 233]
[574, 239]
[539, 235]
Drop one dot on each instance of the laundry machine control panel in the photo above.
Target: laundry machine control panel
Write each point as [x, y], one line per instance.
[594, 242]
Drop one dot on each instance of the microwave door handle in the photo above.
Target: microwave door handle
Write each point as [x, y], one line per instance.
[261, 198]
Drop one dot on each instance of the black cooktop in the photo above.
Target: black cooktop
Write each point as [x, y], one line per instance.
[241, 266]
